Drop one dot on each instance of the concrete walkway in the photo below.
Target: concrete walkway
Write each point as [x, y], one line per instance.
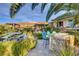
[40, 50]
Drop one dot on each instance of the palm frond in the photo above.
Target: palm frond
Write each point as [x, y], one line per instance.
[15, 7]
[68, 7]
[65, 7]
[52, 9]
[74, 6]
[43, 6]
[64, 16]
[34, 5]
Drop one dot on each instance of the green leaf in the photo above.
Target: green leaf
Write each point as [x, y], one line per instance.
[64, 16]
[53, 8]
[43, 7]
[15, 7]
[74, 6]
[34, 5]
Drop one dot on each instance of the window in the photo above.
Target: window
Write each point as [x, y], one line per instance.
[60, 23]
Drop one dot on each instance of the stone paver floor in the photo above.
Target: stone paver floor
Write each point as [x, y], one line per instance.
[40, 50]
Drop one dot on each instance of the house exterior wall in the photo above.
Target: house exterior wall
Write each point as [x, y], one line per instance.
[68, 23]
[65, 23]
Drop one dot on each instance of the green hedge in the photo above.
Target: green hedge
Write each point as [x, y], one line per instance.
[39, 35]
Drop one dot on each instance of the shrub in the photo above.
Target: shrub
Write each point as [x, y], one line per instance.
[56, 29]
[39, 35]
[2, 49]
[67, 52]
[13, 48]
[5, 48]
[48, 28]
[21, 48]
[30, 43]
[8, 45]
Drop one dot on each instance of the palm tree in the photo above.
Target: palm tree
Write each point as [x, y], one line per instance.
[15, 7]
[54, 8]
[72, 11]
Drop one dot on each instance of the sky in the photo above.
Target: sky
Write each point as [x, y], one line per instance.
[26, 14]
